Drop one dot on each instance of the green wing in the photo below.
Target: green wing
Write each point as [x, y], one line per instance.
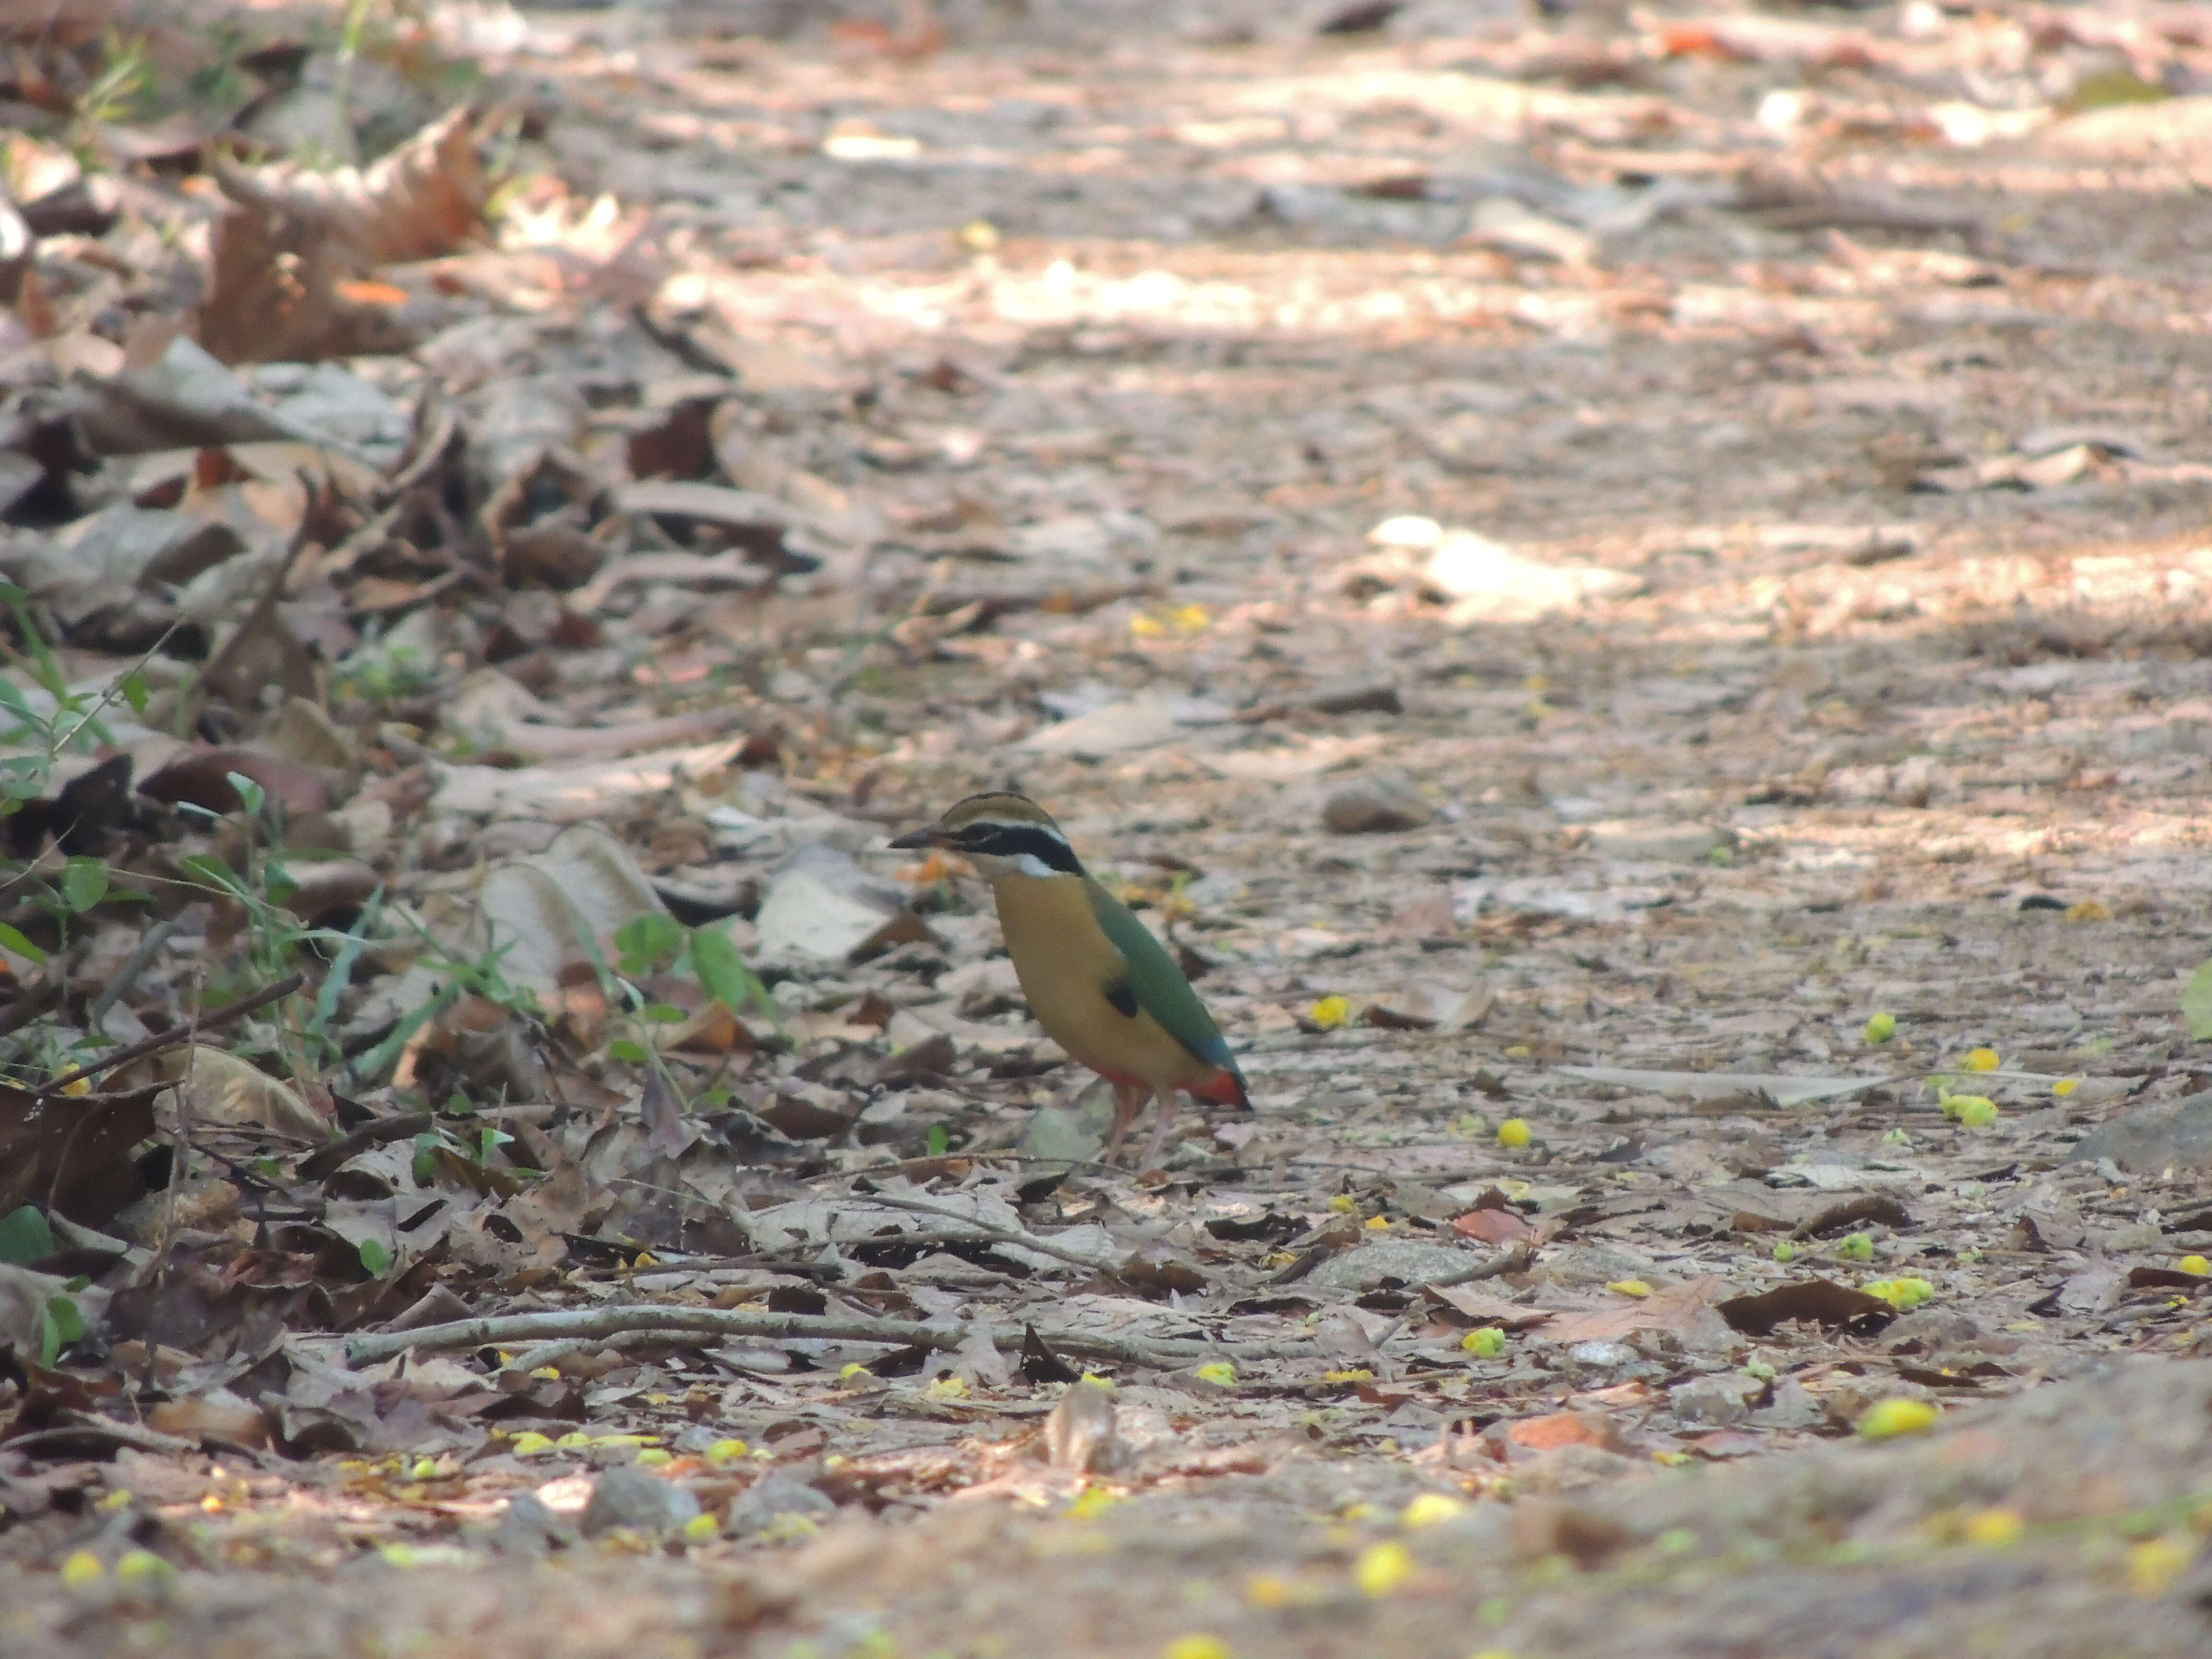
[1157, 983]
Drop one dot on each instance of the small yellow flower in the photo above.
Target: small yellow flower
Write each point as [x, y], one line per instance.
[1977, 1112]
[574, 1440]
[1513, 1134]
[703, 1528]
[80, 1086]
[855, 1369]
[1980, 1060]
[1382, 1568]
[1785, 1251]
[654, 1457]
[82, 1569]
[1091, 1501]
[1330, 1012]
[1196, 1647]
[1635, 1287]
[2195, 1264]
[1380, 1223]
[726, 1451]
[1881, 1028]
[1902, 1294]
[1518, 1051]
[1995, 1528]
[947, 1387]
[1219, 1372]
[1363, 1374]
[2155, 1563]
[1343, 1204]
[1487, 1343]
[426, 1468]
[1885, 1419]
[1428, 1509]
[2065, 1086]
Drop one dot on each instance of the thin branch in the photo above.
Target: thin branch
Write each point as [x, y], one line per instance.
[601, 1324]
[172, 1037]
[1509, 1261]
[983, 1230]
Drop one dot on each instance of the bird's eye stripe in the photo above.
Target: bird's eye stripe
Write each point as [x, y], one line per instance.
[1011, 841]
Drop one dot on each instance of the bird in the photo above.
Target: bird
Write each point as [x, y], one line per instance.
[1098, 980]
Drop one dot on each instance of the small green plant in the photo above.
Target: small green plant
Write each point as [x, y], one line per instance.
[382, 677]
[651, 943]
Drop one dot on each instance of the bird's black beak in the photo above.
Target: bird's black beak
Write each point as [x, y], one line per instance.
[915, 839]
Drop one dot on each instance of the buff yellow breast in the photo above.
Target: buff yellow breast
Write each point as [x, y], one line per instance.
[1066, 963]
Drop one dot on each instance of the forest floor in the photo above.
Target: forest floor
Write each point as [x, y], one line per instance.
[1635, 598]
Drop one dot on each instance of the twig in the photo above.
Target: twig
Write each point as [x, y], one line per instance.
[169, 1039]
[984, 1230]
[660, 1318]
[156, 937]
[1509, 1261]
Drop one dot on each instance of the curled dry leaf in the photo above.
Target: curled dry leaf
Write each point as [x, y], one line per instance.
[426, 198]
[282, 258]
[219, 1087]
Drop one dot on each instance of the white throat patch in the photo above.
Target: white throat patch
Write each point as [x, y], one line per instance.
[1022, 864]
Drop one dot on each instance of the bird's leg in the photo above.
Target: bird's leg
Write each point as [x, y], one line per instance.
[1128, 1100]
[1164, 1113]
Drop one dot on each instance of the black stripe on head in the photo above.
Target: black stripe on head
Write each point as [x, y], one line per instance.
[1011, 841]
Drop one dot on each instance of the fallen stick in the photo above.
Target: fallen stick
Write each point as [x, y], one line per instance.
[193, 1029]
[660, 1318]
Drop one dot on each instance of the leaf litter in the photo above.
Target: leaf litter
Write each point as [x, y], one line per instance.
[1646, 661]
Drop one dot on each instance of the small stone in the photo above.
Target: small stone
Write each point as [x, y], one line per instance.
[1356, 697]
[1651, 840]
[1079, 1434]
[778, 1493]
[625, 1495]
[1404, 1260]
[526, 1527]
[1374, 806]
[1603, 1356]
[2177, 1135]
[1716, 1400]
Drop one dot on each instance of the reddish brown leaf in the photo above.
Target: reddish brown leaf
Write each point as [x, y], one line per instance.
[1492, 1226]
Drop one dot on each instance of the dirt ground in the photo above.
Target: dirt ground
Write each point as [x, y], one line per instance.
[1632, 587]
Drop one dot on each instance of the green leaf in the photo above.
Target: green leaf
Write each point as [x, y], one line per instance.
[14, 939]
[214, 873]
[250, 793]
[425, 1165]
[723, 974]
[134, 692]
[623, 1048]
[2197, 1002]
[647, 941]
[489, 1141]
[60, 1323]
[25, 1237]
[937, 1140]
[84, 883]
[374, 1258]
[662, 1013]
